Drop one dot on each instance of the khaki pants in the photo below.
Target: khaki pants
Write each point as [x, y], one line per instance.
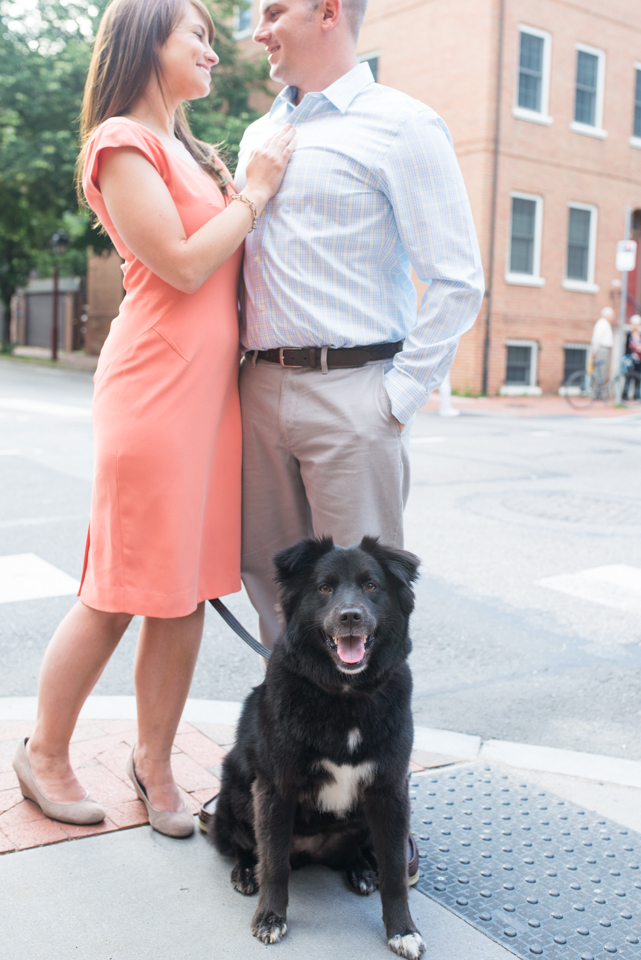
[322, 454]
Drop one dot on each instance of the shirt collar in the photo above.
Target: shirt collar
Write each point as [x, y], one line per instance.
[341, 93]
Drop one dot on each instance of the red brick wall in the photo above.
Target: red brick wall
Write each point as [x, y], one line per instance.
[445, 55]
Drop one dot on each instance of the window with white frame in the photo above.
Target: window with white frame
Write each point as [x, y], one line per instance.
[372, 59]
[588, 91]
[533, 77]
[520, 369]
[524, 248]
[581, 252]
[635, 139]
[243, 19]
[575, 359]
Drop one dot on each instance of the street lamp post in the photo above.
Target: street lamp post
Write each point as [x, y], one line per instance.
[58, 245]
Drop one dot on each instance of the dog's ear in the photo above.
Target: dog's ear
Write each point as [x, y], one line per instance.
[300, 557]
[402, 564]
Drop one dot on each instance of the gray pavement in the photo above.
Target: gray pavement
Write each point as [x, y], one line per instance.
[497, 504]
[136, 895]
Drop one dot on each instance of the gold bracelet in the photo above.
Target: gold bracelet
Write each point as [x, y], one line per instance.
[250, 204]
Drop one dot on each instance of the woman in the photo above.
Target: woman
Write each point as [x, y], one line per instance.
[165, 518]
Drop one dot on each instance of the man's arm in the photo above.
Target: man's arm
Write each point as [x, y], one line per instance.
[421, 177]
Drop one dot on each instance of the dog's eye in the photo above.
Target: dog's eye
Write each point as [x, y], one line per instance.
[370, 585]
[325, 588]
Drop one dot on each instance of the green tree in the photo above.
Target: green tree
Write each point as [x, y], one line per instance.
[45, 47]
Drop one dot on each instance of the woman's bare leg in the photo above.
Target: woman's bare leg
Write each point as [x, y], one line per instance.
[165, 659]
[73, 662]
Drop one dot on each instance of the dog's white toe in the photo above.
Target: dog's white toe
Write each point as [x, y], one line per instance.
[271, 931]
[411, 946]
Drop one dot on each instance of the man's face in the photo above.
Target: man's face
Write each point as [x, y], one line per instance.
[292, 34]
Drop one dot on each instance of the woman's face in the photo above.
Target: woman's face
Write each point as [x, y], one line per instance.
[186, 58]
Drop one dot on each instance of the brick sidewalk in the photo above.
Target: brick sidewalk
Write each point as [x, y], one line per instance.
[99, 750]
[544, 406]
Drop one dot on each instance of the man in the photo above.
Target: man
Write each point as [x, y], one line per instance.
[337, 362]
[602, 343]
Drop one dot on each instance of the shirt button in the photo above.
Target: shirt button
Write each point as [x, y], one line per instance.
[256, 259]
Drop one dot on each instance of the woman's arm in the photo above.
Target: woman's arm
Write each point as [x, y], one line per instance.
[145, 215]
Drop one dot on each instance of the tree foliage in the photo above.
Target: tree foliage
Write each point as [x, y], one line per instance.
[45, 47]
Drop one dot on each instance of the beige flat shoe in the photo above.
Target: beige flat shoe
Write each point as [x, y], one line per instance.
[83, 812]
[180, 824]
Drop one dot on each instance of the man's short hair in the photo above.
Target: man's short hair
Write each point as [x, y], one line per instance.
[354, 11]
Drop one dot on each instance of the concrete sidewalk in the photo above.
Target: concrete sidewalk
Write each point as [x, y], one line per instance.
[120, 891]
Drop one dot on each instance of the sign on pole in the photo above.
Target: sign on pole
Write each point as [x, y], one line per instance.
[626, 256]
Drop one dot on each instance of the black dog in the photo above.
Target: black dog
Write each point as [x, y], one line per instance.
[318, 773]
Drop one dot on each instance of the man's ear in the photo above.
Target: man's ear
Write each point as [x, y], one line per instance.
[332, 11]
[292, 561]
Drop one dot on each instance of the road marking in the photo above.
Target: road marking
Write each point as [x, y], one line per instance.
[66, 411]
[24, 576]
[428, 439]
[618, 586]
[37, 521]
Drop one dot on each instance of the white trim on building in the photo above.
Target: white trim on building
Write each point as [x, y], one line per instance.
[533, 279]
[522, 113]
[588, 285]
[595, 129]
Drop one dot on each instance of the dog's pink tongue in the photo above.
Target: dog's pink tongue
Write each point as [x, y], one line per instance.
[351, 649]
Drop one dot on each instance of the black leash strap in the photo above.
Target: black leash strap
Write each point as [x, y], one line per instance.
[239, 629]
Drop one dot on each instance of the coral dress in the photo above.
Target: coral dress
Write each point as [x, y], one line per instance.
[164, 532]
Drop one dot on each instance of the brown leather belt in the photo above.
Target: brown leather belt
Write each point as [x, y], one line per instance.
[311, 357]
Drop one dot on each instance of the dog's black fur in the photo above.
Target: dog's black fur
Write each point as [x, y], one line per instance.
[281, 803]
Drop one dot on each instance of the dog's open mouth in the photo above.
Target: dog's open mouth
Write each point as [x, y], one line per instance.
[351, 649]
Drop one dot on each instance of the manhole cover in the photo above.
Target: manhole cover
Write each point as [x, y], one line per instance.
[536, 873]
[558, 506]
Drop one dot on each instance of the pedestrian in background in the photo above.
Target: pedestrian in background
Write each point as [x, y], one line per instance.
[445, 408]
[165, 515]
[601, 344]
[633, 358]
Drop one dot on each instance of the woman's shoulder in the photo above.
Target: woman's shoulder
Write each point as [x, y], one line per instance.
[123, 132]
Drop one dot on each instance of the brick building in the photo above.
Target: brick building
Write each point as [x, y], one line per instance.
[549, 203]
[551, 200]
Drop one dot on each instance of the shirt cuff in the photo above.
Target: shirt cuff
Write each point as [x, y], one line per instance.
[406, 395]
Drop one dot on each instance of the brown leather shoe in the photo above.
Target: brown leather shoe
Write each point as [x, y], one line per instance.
[412, 860]
[206, 815]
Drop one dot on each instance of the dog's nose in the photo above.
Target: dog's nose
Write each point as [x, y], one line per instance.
[350, 615]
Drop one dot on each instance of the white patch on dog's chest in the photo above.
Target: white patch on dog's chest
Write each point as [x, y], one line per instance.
[354, 738]
[340, 794]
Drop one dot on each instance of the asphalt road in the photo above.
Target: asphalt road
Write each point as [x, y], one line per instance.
[498, 504]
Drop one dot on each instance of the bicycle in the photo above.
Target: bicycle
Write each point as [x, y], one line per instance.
[584, 388]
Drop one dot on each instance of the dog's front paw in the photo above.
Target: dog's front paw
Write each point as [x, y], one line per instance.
[363, 880]
[268, 927]
[411, 945]
[244, 880]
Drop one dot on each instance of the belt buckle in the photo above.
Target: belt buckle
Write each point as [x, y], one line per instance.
[281, 359]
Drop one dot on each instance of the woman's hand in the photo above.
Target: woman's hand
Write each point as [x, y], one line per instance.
[267, 165]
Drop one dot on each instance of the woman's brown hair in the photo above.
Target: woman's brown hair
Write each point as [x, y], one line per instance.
[125, 57]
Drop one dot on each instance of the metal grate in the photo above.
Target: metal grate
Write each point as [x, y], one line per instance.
[536, 873]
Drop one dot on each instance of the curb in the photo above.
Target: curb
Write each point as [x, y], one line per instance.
[457, 746]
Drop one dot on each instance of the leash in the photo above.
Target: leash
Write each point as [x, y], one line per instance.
[239, 629]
